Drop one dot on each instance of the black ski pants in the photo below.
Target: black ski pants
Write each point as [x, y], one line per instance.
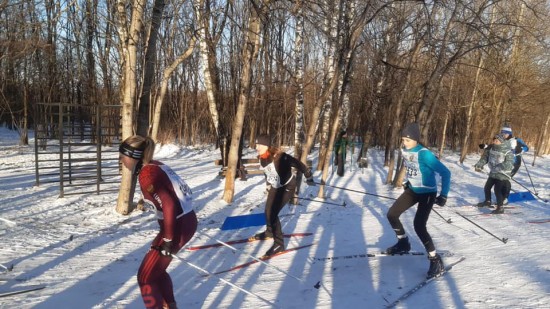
[425, 204]
[276, 200]
[502, 189]
[517, 165]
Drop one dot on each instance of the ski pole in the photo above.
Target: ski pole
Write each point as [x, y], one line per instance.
[329, 203]
[528, 174]
[446, 220]
[9, 222]
[8, 268]
[29, 227]
[206, 272]
[356, 191]
[504, 240]
[253, 257]
[387, 197]
[534, 194]
[510, 178]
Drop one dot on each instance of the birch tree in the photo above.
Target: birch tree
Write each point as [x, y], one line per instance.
[129, 30]
[144, 115]
[168, 71]
[299, 78]
[249, 56]
[331, 20]
[208, 39]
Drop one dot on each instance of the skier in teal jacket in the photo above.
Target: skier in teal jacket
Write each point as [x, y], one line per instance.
[421, 188]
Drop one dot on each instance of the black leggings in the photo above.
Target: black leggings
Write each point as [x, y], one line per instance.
[276, 200]
[407, 200]
[502, 189]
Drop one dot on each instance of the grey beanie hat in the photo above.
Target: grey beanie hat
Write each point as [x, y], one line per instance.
[412, 131]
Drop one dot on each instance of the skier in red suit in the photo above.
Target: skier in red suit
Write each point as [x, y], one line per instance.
[172, 199]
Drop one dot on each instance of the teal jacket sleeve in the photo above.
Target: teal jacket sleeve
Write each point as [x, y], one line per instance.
[435, 165]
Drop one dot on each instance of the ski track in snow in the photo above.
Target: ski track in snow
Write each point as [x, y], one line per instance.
[88, 255]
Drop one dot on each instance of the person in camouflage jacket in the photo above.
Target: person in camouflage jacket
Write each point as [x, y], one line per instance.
[500, 159]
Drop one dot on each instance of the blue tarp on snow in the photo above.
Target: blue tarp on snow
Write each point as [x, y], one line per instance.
[238, 222]
[521, 196]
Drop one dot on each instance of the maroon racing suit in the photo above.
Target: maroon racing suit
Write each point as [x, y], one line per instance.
[172, 199]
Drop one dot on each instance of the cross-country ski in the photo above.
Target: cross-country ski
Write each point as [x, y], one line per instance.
[538, 221]
[20, 290]
[263, 258]
[423, 283]
[377, 254]
[244, 240]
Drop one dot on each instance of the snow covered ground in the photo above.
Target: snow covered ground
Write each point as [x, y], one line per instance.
[87, 255]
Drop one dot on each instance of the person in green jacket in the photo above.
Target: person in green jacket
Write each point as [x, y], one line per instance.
[340, 152]
[500, 158]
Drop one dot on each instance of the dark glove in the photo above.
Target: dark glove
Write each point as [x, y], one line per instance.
[405, 185]
[482, 146]
[310, 181]
[166, 247]
[441, 200]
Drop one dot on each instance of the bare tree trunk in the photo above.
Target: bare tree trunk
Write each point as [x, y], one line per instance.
[543, 142]
[331, 26]
[447, 114]
[164, 86]
[250, 53]
[469, 115]
[129, 35]
[299, 84]
[326, 162]
[396, 124]
[203, 21]
[433, 83]
[398, 181]
[471, 110]
[144, 115]
[355, 30]
[23, 128]
[299, 80]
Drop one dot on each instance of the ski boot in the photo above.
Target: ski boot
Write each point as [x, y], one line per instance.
[498, 211]
[401, 247]
[276, 248]
[484, 204]
[260, 236]
[436, 266]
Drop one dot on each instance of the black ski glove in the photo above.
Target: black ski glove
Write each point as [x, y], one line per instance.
[482, 146]
[441, 200]
[310, 181]
[166, 247]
